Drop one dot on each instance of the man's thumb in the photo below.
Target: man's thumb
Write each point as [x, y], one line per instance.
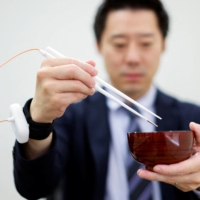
[196, 128]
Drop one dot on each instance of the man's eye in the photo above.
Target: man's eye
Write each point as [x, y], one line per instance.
[119, 45]
[146, 44]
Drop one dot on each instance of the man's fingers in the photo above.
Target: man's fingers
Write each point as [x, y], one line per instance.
[188, 166]
[66, 72]
[91, 62]
[53, 62]
[183, 182]
[54, 87]
[186, 182]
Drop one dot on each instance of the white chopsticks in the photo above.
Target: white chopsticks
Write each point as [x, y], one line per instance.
[52, 53]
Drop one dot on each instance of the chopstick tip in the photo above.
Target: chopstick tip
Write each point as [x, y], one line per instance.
[158, 116]
[152, 123]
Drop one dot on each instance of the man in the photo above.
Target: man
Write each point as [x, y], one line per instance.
[85, 145]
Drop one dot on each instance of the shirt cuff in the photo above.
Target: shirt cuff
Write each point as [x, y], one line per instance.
[197, 192]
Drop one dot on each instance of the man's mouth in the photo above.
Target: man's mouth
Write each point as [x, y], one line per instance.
[132, 77]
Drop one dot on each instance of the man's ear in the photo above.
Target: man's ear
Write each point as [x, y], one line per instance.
[98, 46]
[164, 45]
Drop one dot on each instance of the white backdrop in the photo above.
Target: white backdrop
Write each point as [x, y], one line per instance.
[66, 25]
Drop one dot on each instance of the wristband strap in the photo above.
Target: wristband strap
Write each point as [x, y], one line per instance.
[37, 131]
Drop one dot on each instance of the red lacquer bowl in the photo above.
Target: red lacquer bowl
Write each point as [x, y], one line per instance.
[164, 147]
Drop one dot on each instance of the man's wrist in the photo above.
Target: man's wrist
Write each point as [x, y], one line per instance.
[37, 131]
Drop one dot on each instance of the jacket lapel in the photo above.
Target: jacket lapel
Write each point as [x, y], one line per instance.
[99, 140]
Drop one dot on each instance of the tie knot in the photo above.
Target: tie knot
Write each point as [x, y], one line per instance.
[132, 115]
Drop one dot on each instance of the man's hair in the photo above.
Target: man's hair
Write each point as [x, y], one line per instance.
[111, 5]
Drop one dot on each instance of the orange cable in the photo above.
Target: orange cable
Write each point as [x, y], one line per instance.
[33, 49]
[5, 120]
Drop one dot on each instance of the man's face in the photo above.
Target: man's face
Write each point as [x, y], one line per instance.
[131, 45]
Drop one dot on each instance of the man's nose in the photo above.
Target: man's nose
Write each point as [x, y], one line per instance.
[132, 54]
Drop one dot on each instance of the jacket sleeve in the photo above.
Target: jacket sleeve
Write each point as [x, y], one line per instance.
[37, 178]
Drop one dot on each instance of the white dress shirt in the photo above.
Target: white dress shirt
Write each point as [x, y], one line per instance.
[116, 184]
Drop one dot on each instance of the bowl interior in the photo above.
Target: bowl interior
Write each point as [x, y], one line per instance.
[162, 147]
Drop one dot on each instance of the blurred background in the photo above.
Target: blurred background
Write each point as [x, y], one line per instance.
[66, 25]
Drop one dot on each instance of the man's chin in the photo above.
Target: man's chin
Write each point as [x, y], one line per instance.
[133, 92]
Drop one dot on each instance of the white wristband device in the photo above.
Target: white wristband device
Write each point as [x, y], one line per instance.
[19, 123]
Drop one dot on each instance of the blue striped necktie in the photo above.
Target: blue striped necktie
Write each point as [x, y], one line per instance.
[140, 189]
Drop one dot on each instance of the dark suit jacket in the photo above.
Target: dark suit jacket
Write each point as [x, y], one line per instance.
[80, 150]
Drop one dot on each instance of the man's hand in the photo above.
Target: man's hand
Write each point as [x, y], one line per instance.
[60, 82]
[184, 175]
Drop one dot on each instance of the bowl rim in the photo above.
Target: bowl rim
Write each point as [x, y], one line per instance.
[153, 132]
